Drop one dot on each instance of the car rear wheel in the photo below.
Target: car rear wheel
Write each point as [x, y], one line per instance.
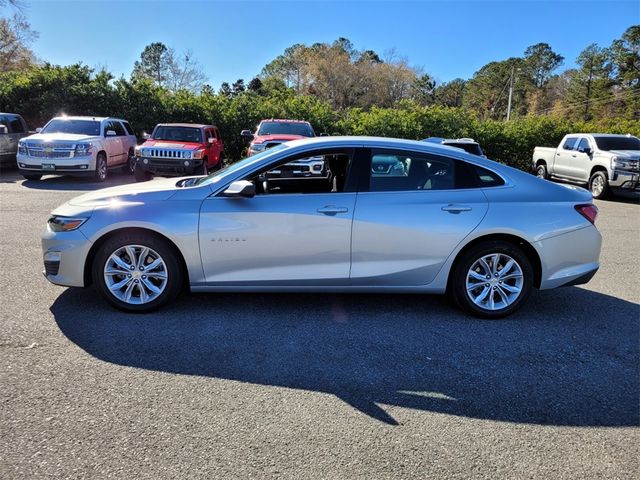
[141, 174]
[135, 272]
[101, 168]
[492, 279]
[599, 185]
[130, 167]
[541, 172]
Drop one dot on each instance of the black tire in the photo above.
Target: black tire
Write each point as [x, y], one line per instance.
[32, 176]
[505, 250]
[541, 171]
[202, 169]
[174, 271]
[142, 175]
[100, 175]
[599, 185]
[129, 167]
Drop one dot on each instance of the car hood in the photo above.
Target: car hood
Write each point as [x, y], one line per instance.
[158, 189]
[626, 154]
[278, 136]
[171, 144]
[60, 137]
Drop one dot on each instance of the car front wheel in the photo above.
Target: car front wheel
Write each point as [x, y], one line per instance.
[101, 168]
[135, 272]
[141, 174]
[599, 185]
[492, 279]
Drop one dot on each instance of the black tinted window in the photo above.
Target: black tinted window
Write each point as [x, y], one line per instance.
[570, 143]
[584, 143]
[487, 178]
[618, 143]
[406, 171]
[15, 125]
[119, 129]
[128, 128]
[79, 127]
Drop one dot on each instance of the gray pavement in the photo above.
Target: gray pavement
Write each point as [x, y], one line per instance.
[314, 386]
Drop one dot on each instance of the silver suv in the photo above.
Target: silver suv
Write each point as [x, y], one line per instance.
[12, 129]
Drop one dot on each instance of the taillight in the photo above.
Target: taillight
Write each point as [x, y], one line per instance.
[588, 211]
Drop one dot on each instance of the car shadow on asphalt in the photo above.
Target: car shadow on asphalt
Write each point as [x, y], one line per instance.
[570, 357]
[63, 183]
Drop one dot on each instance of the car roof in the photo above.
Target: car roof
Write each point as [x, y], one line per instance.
[380, 142]
[87, 117]
[191, 125]
[282, 120]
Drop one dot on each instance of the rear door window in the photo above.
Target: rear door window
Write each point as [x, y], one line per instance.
[570, 143]
[119, 129]
[128, 128]
[15, 125]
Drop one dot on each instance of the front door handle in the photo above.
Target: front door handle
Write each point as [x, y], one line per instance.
[451, 208]
[332, 210]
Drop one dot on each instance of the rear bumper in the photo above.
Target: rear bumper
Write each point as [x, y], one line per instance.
[569, 259]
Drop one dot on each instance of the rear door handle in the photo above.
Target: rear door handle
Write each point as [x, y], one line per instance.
[451, 208]
[332, 210]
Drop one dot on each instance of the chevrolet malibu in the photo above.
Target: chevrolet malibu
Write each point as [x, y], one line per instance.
[446, 222]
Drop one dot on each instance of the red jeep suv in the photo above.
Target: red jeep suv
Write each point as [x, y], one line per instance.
[179, 149]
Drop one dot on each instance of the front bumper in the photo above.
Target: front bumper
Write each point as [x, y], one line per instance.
[81, 166]
[625, 180]
[64, 256]
[167, 166]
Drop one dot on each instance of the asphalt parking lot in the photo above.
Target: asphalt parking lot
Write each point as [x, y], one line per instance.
[314, 386]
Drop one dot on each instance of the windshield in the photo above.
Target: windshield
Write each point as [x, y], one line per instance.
[286, 128]
[217, 176]
[78, 127]
[618, 143]
[178, 134]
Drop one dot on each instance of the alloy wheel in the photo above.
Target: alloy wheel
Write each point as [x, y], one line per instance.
[494, 281]
[135, 274]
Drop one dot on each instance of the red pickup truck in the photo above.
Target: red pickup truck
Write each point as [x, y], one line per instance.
[179, 149]
[273, 132]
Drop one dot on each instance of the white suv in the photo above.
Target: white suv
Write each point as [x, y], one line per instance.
[82, 146]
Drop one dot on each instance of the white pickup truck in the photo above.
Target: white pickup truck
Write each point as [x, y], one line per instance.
[80, 146]
[603, 162]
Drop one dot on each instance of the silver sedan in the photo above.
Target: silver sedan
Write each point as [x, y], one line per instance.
[390, 216]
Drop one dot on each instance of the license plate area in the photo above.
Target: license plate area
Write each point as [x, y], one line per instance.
[48, 166]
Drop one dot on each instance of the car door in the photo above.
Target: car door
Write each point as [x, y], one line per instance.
[112, 144]
[581, 167]
[292, 232]
[411, 218]
[563, 166]
[214, 146]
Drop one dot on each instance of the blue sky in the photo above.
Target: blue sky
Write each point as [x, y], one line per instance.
[235, 39]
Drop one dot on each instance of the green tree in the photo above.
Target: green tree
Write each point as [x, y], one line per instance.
[153, 64]
[590, 86]
[450, 94]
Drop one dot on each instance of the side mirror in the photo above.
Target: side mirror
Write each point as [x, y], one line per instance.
[324, 134]
[146, 136]
[110, 133]
[587, 150]
[38, 130]
[3, 130]
[211, 140]
[240, 188]
[247, 134]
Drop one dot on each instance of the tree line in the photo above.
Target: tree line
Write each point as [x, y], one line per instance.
[342, 90]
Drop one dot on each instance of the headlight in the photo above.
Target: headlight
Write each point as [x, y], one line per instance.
[617, 163]
[22, 148]
[137, 151]
[186, 154]
[64, 224]
[83, 149]
[258, 147]
[198, 154]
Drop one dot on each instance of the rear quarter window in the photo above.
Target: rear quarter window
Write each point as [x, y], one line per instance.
[487, 178]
